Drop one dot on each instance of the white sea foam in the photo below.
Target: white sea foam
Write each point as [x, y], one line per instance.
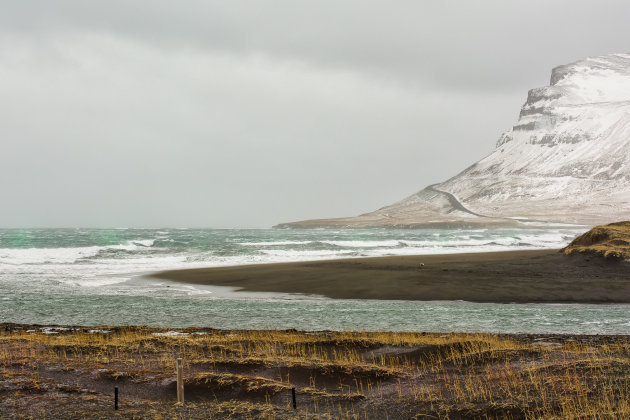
[345, 244]
[21, 256]
[144, 242]
[53, 330]
[365, 243]
[291, 253]
[275, 243]
[93, 281]
[46, 255]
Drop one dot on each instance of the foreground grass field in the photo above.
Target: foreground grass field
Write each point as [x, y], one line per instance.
[56, 372]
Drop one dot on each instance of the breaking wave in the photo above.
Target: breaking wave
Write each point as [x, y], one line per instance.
[19, 256]
[105, 256]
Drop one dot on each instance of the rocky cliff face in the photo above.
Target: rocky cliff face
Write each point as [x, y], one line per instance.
[566, 160]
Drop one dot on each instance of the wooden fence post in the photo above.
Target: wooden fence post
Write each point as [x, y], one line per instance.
[180, 381]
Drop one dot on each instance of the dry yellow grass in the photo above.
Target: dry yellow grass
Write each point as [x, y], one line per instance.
[249, 374]
[610, 241]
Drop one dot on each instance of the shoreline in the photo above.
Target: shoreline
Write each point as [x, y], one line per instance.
[101, 330]
[532, 276]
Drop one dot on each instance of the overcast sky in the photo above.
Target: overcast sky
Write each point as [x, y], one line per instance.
[251, 113]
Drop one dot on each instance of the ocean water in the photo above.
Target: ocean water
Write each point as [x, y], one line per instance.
[95, 277]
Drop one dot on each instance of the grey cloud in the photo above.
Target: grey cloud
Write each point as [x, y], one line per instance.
[488, 44]
[227, 114]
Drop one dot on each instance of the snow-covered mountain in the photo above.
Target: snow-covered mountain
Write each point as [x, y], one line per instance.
[567, 160]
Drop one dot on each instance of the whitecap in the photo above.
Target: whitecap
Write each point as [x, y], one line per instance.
[144, 242]
[365, 244]
[276, 243]
[46, 255]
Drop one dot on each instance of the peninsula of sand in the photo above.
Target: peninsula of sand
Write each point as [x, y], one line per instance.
[592, 269]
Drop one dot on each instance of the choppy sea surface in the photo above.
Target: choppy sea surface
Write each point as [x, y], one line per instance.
[94, 277]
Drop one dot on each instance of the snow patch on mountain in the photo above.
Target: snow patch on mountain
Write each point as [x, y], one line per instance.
[566, 160]
[568, 155]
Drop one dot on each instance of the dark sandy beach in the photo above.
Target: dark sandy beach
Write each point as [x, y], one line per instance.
[503, 277]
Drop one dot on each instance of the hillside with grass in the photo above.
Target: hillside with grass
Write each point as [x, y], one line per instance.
[71, 372]
[610, 241]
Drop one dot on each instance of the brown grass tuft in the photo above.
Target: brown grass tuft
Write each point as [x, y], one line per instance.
[611, 241]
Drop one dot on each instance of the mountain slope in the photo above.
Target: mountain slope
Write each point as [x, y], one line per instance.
[566, 160]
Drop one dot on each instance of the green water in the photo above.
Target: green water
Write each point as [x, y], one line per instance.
[90, 277]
